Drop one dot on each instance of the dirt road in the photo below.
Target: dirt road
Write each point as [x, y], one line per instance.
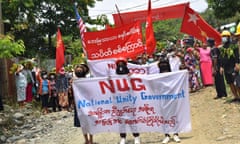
[213, 122]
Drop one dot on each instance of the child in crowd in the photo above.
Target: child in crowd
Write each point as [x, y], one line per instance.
[53, 96]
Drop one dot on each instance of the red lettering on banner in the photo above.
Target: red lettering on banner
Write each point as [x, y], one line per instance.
[135, 86]
[111, 66]
[116, 116]
[137, 70]
[148, 120]
[109, 121]
[120, 112]
[109, 86]
[147, 109]
[99, 112]
[121, 85]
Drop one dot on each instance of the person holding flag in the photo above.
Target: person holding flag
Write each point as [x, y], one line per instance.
[61, 80]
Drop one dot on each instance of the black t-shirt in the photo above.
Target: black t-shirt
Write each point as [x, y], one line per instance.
[215, 55]
[122, 69]
[164, 66]
[229, 56]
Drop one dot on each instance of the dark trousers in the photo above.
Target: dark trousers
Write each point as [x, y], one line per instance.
[123, 135]
[44, 99]
[1, 103]
[220, 85]
[54, 102]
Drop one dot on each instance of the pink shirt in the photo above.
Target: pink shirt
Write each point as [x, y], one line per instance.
[205, 54]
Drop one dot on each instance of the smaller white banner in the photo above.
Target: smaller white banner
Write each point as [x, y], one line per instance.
[107, 67]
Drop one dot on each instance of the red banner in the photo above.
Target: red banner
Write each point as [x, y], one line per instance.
[163, 13]
[123, 41]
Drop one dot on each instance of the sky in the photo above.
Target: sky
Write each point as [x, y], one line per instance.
[108, 6]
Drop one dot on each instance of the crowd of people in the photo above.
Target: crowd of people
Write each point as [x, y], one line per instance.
[207, 64]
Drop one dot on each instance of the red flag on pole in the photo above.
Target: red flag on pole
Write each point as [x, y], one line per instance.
[59, 52]
[150, 39]
[193, 24]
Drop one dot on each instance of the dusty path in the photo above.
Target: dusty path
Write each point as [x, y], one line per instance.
[213, 122]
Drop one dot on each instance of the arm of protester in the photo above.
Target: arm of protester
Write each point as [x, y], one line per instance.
[129, 74]
[221, 70]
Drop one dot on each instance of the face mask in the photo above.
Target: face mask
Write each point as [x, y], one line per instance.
[80, 74]
[52, 77]
[150, 59]
[224, 39]
[70, 74]
[140, 61]
[44, 76]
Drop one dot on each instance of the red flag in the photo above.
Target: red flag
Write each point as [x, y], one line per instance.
[59, 52]
[150, 39]
[193, 24]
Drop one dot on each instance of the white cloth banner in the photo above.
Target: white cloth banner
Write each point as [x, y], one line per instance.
[106, 67]
[136, 103]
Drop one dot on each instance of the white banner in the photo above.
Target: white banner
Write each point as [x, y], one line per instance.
[136, 103]
[106, 67]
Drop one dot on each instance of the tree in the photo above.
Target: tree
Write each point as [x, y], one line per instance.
[224, 8]
[9, 48]
[36, 22]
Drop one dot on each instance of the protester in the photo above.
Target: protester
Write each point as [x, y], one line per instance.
[21, 85]
[218, 77]
[174, 61]
[70, 90]
[205, 64]
[27, 71]
[122, 69]
[229, 62]
[1, 104]
[164, 66]
[80, 72]
[53, 96]
[44, 90]
[62, 89]
[237, 78]
[190, 63]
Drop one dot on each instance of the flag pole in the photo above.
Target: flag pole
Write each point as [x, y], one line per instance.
[119, 14]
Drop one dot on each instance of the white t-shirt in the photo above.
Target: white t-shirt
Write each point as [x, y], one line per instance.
[175, 63]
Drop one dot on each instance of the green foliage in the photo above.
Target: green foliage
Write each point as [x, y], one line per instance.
[9, 48]
[167, 30]
[36, 22]
[215, 22]
[224, 8]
